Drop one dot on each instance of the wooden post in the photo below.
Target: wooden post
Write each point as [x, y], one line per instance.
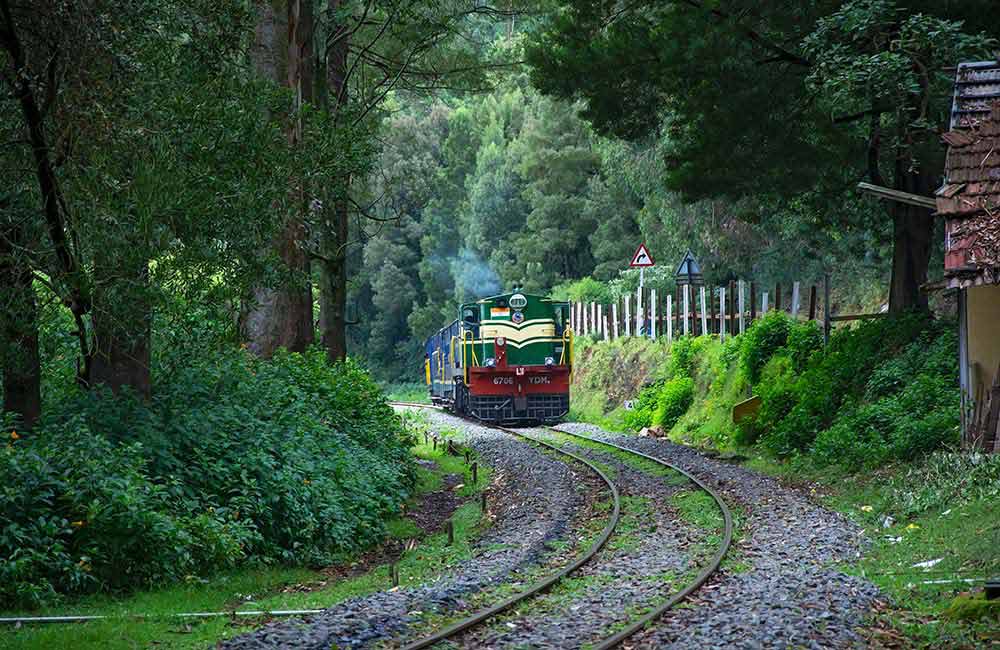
[826, 308]
[678, 304]
[670, 317]
[777, 296]
[482, 502]
[600, 321]
[713, 325]
[753, 302]
[475, 473]
[614, 318]
[394, 574]
[763, 303]
[732, 307]
[722, 313]
[450, 527]
[652, 313]
[741, 307]
[687, 306]
[812, 302]
[704, 316]
[795, 300]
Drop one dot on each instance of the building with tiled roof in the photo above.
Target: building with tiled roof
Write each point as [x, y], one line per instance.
[969, 201]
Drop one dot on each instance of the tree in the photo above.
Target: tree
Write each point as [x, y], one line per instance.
[758, 98]
[128, 137]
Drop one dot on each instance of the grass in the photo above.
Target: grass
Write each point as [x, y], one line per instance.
[942, 511]
[406, 392]
[259, 588]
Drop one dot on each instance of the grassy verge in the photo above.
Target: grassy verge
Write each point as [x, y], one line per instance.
[406, 392]
[260, 588]
[933, 526]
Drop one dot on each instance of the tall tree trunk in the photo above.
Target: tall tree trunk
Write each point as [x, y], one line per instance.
[18, 328]
[333, 264]
[283, 316]
[912, 234]
[121, 325]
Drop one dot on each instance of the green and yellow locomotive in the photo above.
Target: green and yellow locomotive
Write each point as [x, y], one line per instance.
[506, 359]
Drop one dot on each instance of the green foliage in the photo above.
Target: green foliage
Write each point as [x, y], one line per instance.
[761, 341]
[884, 389]
[674, 400]
[235, 459]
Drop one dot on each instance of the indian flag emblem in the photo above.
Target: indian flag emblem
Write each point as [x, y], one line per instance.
[499, 312]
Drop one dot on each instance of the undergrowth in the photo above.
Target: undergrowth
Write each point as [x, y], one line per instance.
[234, 460]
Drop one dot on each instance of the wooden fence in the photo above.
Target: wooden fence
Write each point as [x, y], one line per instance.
[698, 309]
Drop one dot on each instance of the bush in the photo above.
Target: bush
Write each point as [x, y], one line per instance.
[886, 389]
[761, 341]
[643, 407]
[289, 461]
[674, 400]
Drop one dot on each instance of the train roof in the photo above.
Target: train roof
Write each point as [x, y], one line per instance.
[513, 293]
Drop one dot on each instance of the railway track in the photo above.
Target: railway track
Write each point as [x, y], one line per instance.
[636, 625]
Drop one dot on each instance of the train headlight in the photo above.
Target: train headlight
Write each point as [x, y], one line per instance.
[549, 361]
[491, 362]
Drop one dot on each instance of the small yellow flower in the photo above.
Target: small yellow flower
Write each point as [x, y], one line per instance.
[912, 527]
[14, 436]
[867, 508]
[78, 524]
[306, 482]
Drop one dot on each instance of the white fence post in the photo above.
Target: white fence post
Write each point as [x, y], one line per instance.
[652, 313]
[670, 317]
[704, 314]
[795, 300]
[763, 303]
[614, 318]
[628, 317]
[638, 312]
[722, 313]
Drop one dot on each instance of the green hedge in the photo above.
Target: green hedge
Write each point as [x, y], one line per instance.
[233, 460]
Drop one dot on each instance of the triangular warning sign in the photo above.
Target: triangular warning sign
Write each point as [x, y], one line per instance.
[641, 257]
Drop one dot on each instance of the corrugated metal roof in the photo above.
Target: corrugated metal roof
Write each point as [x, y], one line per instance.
[977, 85]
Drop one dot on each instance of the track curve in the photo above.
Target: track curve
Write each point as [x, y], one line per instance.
[642, 622]
[705, 573]
[544, 584]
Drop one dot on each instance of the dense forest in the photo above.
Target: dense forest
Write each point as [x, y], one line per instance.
[219, 220]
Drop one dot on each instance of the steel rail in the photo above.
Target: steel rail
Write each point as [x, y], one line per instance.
[544, 584]
[701, 578]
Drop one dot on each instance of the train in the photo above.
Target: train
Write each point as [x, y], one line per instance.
[506, 359]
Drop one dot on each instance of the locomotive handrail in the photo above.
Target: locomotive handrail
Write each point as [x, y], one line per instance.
[567, 343]
[472, 347]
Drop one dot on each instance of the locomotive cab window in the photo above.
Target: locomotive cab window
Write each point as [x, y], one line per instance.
[470, 315]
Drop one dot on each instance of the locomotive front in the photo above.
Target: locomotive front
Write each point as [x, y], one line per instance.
[508, 359]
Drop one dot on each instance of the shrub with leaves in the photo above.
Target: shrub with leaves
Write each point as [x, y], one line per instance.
[674, 400]
[235, 459]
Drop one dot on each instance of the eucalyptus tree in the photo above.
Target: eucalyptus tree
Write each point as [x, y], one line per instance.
[133, 151]
[353, 55]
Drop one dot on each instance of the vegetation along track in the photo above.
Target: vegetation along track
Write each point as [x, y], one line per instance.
[638, 624]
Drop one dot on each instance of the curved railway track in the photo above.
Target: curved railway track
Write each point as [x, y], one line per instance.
[542, 585]
[634, 626]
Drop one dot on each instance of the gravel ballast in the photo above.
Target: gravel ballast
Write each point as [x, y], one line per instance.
[787, 594]
[535, 499]
[636, 570]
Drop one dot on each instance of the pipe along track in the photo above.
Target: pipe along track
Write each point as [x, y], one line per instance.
[635, 626]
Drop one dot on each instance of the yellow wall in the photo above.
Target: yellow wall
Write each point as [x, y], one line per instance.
[983, 313]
